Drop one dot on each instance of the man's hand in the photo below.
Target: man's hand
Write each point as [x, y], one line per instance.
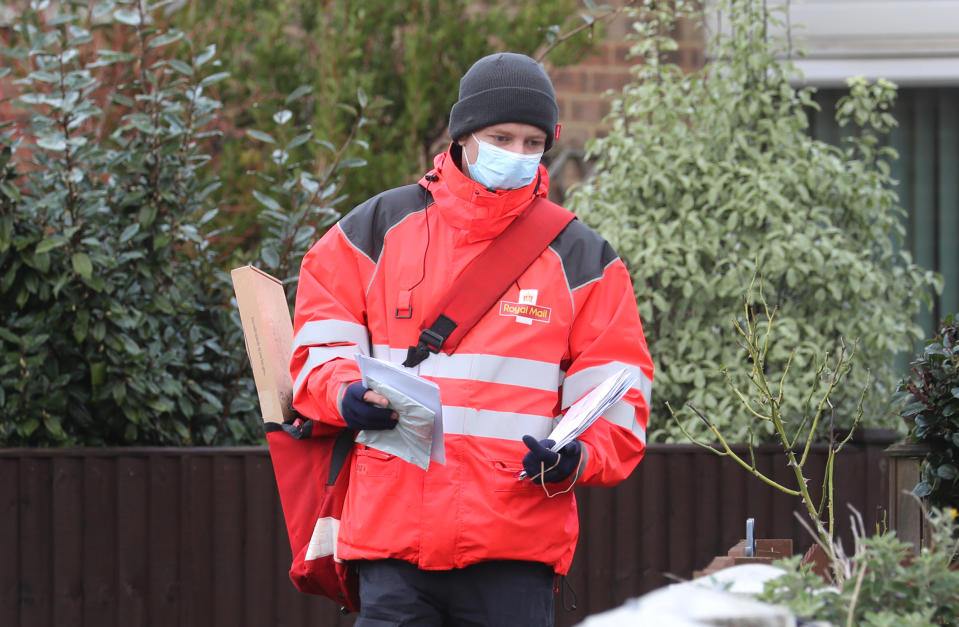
[364, 409]
[554, 466]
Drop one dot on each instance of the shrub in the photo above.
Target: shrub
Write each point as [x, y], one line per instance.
[710, 177]
[112, 324]
[884, 583]
[932, 413]
[117, 323]
[408, 56]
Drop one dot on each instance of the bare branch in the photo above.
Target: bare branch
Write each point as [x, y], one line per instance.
[749, 467]
[690, 436]
[834, 380]
[605, 17]
[746, 404]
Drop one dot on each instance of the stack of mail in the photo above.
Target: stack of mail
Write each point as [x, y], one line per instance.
[586, 410]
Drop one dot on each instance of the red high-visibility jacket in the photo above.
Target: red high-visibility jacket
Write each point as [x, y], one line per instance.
[366, 287]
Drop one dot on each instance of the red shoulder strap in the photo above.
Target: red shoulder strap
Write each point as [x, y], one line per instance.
[488, 276]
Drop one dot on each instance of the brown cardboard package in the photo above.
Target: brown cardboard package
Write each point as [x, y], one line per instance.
[268, 331]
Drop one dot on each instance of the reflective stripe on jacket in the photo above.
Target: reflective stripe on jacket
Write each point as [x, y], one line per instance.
[565, 325]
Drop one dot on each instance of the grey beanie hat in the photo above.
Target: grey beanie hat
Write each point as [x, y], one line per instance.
[505, 87]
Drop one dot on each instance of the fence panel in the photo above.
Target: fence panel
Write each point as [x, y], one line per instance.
[195, 537]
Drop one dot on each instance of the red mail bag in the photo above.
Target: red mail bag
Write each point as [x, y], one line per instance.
[312, 476]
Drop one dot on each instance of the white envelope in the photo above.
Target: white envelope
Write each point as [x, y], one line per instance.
[417, 401]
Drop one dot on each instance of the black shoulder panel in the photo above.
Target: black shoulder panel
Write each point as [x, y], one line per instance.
[368, 223]
[584, 253]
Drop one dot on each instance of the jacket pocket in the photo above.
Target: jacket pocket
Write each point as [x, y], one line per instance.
[373, 463]
[505, 476]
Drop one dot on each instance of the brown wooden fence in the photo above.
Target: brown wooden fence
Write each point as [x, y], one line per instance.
[194, 537]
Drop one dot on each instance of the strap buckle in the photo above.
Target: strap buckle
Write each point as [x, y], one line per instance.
[431, 340]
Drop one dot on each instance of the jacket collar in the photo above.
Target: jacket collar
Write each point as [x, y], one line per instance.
[468, 206]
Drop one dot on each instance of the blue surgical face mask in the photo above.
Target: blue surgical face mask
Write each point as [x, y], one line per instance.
[498, 168]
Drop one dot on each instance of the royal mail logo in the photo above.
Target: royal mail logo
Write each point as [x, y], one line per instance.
[524, 312]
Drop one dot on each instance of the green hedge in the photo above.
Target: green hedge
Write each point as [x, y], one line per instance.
[407, 56]
[157, 150]
[113, 325]
[711, 178]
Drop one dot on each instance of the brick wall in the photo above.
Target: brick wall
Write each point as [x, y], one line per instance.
[584, 95]
[7, 111]
[582, 89]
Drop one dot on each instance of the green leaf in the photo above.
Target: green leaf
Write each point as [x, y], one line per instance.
[82, 265]
[299, 92]
[270, 257]
[180, 66]
[935, 348]
[54, 142]
[130, 346]
[28, 426]
[161, 240]
[126, 16]
[182, 431]
[214, 78]
[912, 409]
[205, 55]
[352, 162]
[947, 472]
[14, 339]
[48, 244]
[43, 77]
[261, 136]
[81, 325]
[129, 232]
[54, 428]
[122, 100]
[165, 39]
[299, 140]
[107, 57]
[10, 191]
[267, 201]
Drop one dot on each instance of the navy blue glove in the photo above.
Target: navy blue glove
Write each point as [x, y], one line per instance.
[360, 415]
[540, 457]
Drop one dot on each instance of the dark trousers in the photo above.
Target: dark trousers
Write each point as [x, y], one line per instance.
[488, 594]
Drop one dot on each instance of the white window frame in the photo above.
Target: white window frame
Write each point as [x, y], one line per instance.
[910, 42]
